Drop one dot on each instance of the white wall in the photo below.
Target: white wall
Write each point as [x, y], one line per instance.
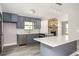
[70, 13]
[9, 34]
[72, 10]
[44, 26]
[74, 23]
[60, 20]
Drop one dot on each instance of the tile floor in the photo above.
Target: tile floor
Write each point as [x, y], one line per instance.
[28, 50]
[76, 53]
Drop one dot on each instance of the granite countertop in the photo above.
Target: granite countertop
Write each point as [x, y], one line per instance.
[55, 40]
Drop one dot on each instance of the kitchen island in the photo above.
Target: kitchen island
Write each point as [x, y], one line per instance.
[57, 46]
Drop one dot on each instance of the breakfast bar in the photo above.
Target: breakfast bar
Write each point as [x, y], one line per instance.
[57, 46]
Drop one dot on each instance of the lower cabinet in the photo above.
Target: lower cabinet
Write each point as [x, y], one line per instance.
[21, 39]
[27, 39]
[30, 38]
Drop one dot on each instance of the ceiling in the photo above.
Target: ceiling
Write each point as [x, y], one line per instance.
[47, 10]
[40, 9]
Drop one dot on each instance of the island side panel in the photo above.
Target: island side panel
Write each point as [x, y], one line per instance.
[62, 50]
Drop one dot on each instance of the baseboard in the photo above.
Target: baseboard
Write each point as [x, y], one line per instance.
[11, 44]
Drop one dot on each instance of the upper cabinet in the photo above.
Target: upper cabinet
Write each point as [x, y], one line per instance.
[37, 23]
[27, 19]
[9, 17]
[14, 17]
[6, 17]
[19, 20]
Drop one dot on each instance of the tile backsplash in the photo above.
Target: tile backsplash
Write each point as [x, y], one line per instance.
[22, 31]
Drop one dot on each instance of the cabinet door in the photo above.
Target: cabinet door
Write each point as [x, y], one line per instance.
[37, 24]
[33, 21]
[27, 19]
[6, 17]
[30, 38]
[21, 39]
[20, 23]
[14, 18]
[35, 36]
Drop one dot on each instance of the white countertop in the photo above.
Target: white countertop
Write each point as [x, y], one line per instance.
[54, 40]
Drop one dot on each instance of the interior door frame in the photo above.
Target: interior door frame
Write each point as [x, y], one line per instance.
[1, 33]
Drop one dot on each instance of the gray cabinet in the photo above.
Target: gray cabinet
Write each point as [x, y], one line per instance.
[30, 38]
[9, 17]
[20, 22]
[31, 20]
[27, 38]
[21, 39]
[6, 17]
[37, 23]
[14, 17]
[28, 19]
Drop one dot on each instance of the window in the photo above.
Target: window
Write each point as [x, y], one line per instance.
[28, 25]
[65, 27]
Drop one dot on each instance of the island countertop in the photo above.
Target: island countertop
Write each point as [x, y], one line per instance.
[54, 40]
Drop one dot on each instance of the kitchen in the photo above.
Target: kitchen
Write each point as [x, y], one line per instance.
[31, 28]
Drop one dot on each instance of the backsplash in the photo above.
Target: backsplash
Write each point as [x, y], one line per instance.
[22, 31]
